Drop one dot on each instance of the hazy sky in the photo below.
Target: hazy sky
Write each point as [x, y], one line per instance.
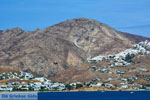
[125, 15]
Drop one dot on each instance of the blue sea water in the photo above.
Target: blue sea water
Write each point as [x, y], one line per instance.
[109, 95]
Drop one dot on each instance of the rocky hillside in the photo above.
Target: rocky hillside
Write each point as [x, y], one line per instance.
[130, 67]
[61, 47]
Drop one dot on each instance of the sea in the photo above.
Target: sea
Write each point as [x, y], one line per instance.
[100, 95]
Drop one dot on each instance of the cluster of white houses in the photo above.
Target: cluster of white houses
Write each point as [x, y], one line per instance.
[124, 58]
[42, 83]
[25, 81]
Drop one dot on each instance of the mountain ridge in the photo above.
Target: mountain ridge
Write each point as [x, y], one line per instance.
[68, 44]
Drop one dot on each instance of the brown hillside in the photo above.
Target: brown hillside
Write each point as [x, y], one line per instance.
[60, 47]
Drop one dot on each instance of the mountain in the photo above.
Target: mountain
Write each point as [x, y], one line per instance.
[92, 36]
[61, 48]
[37, 52]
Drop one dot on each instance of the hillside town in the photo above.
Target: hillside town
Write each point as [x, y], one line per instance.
[128, 77]
[23, 81]
[124, 58]
[27, 82]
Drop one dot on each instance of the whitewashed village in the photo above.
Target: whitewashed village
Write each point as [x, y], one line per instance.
[24, 81]
[124, 58]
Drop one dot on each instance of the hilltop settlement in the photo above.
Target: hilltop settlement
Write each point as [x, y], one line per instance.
[128, 78]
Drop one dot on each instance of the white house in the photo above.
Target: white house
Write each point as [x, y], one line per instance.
[5, 88]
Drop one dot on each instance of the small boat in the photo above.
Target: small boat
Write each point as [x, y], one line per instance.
[132, 92]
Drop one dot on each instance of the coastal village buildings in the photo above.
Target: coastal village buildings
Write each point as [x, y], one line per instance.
[127, 79]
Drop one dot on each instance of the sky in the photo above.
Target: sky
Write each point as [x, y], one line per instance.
[131, 16]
